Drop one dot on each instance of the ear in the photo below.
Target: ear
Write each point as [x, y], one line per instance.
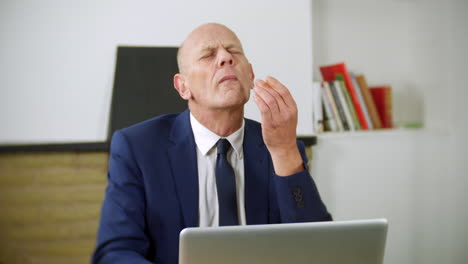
[179, 85]
[252, 74]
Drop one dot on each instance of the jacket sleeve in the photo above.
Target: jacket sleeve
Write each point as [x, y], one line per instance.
[298, 198]
[121, 234]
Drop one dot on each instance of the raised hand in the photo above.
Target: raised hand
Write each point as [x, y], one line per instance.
[279, 122]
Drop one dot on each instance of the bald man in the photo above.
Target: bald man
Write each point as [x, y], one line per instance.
[207, 166]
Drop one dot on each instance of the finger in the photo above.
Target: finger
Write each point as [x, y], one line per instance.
[279, 100]
[282, 90]
[268, 99]
[263, 107]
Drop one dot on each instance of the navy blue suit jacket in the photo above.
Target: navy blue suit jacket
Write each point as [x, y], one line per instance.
[152, 191]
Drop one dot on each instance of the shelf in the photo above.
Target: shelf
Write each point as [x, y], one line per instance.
[369, 133]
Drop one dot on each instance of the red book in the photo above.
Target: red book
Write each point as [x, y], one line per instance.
[382, 96]
[328, 74]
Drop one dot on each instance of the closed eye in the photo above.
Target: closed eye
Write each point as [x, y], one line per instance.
[235, 51]
[207, 55]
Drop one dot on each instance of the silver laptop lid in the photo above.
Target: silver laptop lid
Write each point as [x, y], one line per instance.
[339, 242]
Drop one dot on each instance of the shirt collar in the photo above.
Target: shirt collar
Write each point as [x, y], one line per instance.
[206, 139]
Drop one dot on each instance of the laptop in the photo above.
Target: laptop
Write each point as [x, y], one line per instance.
[338, 242]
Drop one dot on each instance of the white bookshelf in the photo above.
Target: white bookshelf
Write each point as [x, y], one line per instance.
[413, 177]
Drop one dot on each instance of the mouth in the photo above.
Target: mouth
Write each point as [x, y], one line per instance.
[228, 78]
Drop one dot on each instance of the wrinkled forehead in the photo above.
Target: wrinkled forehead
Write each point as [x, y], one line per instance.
[210, 36]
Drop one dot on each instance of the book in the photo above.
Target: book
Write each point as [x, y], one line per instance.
[348, 101]
[328, 118]
[361, 101]
[344, 104]
[375, 118]
[382, 96]
[317, 116]
[328, 74]
[331, 102]
[340, 108]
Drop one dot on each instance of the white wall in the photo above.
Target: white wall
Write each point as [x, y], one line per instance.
[368, 175]
[417, 179]
[57, 57]
[457, 123]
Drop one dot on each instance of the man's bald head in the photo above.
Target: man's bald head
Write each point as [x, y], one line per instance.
[195, 39]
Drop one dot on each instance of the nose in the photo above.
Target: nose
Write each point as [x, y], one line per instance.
[225, 58]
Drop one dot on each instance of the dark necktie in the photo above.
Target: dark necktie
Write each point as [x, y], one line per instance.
[226, 186]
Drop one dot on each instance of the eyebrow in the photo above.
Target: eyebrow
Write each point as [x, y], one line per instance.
[211, 47]
[207, 48]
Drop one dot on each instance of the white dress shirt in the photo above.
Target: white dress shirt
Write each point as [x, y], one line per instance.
[208, 208]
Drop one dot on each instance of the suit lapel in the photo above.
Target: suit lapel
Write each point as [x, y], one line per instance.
[183, 159]
[256, 175]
